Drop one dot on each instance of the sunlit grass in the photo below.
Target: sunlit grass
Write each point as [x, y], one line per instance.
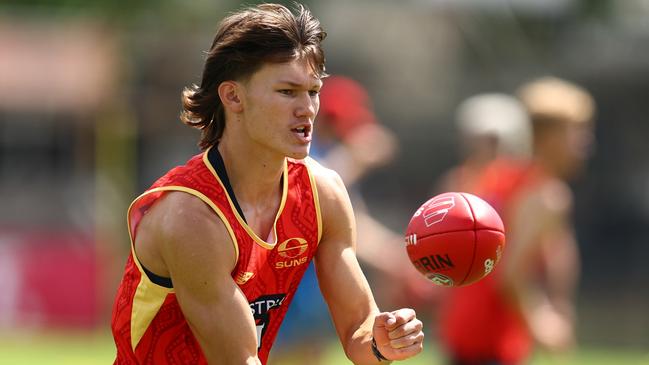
[56, 348]
[84, 348]
[585, 356]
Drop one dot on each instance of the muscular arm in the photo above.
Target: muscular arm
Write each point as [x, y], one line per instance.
[541, 237]
[346, 291]
[182, 237]
[341, 281]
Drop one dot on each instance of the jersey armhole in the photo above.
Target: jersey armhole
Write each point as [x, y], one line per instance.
[161, 280]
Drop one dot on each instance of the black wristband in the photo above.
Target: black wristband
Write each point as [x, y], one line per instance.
[375, 350]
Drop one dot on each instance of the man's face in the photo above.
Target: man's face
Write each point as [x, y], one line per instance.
[574, 143]
[280, 102]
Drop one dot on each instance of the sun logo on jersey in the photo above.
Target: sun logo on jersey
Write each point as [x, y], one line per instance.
[291, 250]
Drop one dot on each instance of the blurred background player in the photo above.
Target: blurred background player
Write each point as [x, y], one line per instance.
[490, 126]
[349, 140]
[529, 297]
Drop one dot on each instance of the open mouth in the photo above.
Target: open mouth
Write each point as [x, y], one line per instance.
[303, 131]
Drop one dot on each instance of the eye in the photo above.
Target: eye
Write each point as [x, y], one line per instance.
[314, 92]
[287, 92]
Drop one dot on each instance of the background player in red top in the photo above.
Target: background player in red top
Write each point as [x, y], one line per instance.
[529, 297]
[490, 126]
[255, 106]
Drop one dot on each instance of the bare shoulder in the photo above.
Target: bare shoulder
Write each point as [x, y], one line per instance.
[331, 189]
[325, 177]
[552, 196]
[181, 224]
[544, 207]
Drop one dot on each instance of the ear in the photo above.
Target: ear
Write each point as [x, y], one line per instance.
[229, 95]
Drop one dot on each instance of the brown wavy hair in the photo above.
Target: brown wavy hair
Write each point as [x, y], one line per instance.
[244, 41]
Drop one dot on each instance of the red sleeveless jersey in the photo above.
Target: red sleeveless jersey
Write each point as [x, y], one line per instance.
[477, 323]
[148, 325]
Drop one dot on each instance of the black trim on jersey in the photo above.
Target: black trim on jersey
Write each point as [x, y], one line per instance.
[215, 158]
[157, 279]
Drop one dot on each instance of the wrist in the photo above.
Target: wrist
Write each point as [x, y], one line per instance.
[375, 351]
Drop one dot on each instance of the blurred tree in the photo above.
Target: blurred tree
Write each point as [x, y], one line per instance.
[598, 8]
[127, 11]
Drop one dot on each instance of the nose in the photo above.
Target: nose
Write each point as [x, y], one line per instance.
[307, 106]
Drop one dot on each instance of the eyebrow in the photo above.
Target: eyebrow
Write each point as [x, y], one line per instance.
[295, 84]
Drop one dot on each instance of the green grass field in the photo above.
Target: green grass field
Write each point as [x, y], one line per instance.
[75, 348]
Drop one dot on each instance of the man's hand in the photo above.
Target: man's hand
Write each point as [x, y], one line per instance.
[551, 329]
[398, 334]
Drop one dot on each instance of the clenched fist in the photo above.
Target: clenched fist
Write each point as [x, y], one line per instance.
[398, 334]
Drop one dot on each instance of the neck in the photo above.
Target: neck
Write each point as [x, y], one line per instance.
[254, 174]
[479, 160]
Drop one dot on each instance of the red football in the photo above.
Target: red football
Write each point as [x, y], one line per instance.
[455, 239]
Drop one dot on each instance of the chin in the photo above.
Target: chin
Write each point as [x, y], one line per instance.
[299, 154]
[570, 174]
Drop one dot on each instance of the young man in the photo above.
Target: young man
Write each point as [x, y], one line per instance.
[220, 244]
[529, 297]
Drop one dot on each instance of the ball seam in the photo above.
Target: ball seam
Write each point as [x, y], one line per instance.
[420, 237]
[475, 238]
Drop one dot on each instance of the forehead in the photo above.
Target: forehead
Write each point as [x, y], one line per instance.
[297, 71]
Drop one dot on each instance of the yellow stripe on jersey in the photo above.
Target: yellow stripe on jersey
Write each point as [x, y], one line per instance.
[147, 301]
[316, 199]
[149, 296]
